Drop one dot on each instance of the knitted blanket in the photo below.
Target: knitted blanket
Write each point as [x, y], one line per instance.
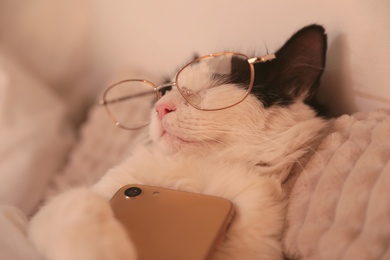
[339, 204]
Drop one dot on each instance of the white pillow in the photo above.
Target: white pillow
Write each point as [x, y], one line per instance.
[35, 135]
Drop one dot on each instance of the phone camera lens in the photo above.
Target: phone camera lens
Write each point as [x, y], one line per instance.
[133, 192]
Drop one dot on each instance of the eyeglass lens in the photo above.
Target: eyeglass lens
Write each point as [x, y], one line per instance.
[130, 103]
[206, 77]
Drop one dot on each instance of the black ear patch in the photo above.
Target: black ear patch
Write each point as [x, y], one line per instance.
[296, 71]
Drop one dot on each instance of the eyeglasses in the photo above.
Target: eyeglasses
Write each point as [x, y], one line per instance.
[197, 82]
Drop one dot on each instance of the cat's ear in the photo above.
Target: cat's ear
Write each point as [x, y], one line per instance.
[296, 71]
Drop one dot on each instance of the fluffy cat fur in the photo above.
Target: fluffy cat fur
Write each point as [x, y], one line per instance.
[243, 153]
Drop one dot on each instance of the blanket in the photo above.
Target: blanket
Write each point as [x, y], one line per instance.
[339, 202]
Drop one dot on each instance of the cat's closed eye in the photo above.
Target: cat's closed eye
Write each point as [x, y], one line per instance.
[165, 89]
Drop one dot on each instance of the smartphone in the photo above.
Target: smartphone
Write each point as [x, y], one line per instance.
[167, 224]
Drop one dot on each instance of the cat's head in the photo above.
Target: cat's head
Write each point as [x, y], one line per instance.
[282, 97]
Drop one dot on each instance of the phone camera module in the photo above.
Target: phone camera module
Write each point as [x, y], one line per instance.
[133, 192]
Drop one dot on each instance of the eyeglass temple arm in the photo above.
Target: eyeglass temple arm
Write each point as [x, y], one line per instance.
[263, 58]
[120, 99]
[103, 102]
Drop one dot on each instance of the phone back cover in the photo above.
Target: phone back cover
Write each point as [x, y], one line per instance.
[169, 224]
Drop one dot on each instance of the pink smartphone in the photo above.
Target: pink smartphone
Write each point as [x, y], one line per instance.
[170, 224]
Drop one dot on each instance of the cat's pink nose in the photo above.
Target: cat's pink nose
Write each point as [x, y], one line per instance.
[164, 108]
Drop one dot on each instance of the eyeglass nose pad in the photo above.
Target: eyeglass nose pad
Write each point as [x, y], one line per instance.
[191, 97]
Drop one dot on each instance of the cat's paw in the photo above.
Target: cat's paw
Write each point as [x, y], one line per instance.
[79, 224]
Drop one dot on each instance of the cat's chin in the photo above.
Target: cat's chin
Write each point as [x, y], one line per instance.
[172, 143]
[174, 139]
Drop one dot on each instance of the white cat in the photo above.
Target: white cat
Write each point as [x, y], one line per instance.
[242, 153]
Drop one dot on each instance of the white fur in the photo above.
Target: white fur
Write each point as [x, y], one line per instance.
[242, 153]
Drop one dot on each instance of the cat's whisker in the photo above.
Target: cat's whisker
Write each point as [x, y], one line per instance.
[280, 144]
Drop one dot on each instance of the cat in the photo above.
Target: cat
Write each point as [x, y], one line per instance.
[243, 153]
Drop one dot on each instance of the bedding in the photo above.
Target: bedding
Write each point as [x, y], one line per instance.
[35, 139]
[35, 135]
[338, 205]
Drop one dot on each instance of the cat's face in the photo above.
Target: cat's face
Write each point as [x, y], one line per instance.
[276, 103]
[179, 126]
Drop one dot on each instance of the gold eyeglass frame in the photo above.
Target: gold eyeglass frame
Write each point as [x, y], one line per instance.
[157, 89]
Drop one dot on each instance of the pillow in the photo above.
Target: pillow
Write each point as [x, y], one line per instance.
[53, 39]
[35, 135]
